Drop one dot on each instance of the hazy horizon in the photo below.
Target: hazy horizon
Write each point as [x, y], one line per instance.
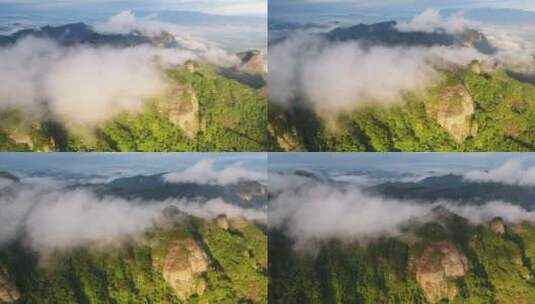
[83, 165]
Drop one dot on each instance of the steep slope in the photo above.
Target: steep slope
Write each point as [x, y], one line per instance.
[182, 260]
[202, 111]
[450, 261]
[468, 111]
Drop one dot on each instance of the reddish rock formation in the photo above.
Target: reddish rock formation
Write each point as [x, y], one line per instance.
[437, 267]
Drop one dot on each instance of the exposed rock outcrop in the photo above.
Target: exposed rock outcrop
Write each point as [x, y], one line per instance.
[183, 109]
[288, 141]
[455, 112]
[252, 61]
[497, 226]
[233, 223]
[8, 291]
[475, 67]
[22, 139]
[238, 222]
[222, 222]
[436, 268]
[182, 266]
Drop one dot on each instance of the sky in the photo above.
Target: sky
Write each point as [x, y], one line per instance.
[403, 163]
[120, 164]
[235, 25]
[318, 11]
[217, 7]
[518, 4]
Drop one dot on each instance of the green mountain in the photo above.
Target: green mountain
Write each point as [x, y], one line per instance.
[470, 109]
[455, 188]
[77, 33]
[446, 261]
[387, 34]
[182, 260]
[205, 108]
[247, 194]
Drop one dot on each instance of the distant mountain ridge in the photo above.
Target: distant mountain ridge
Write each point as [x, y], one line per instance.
[456, 188]
[77, 33]
[435, 257]
[245, 193]
[180, 260]
[154, 187]
[387, 33]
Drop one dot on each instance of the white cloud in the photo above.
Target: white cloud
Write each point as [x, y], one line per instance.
[126, 22]
[188, 38]
[361, 180]
[5, 183]
[203, 172]
[237, 8]
[509, 173]
[340, 76]
[319, 212]
[309, 212]
[82, 84]
[490, 210]
[431, 20]
[62, 220]
[88, 85]
[215, 207]
[47, 219]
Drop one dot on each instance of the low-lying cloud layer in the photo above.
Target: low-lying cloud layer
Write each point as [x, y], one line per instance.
[343, 75]
[430, 19]
[204, 172]
[81, 84]
[510, 173]
[188, 38]
[50, 218]
[88, 85]
[309, 211]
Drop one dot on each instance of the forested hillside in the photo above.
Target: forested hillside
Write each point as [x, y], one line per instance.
[468, 110]
[182, 260]
[448, 261]
[202, 110]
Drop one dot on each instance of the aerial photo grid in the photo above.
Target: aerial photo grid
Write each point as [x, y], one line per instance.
[267, 151]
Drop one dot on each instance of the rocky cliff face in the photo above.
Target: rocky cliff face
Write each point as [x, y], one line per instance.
[436, 267]
[182, 266]
[234, 223]
[455, 112]
[182, 109]
[288, 141]
[8, 291]
[222, 222]
[497, 226]
[252, 62]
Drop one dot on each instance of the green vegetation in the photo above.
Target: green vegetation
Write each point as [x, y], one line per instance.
[131, 272]
[225, 115]
[504, 120]
[244, 263]
[385, 271]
